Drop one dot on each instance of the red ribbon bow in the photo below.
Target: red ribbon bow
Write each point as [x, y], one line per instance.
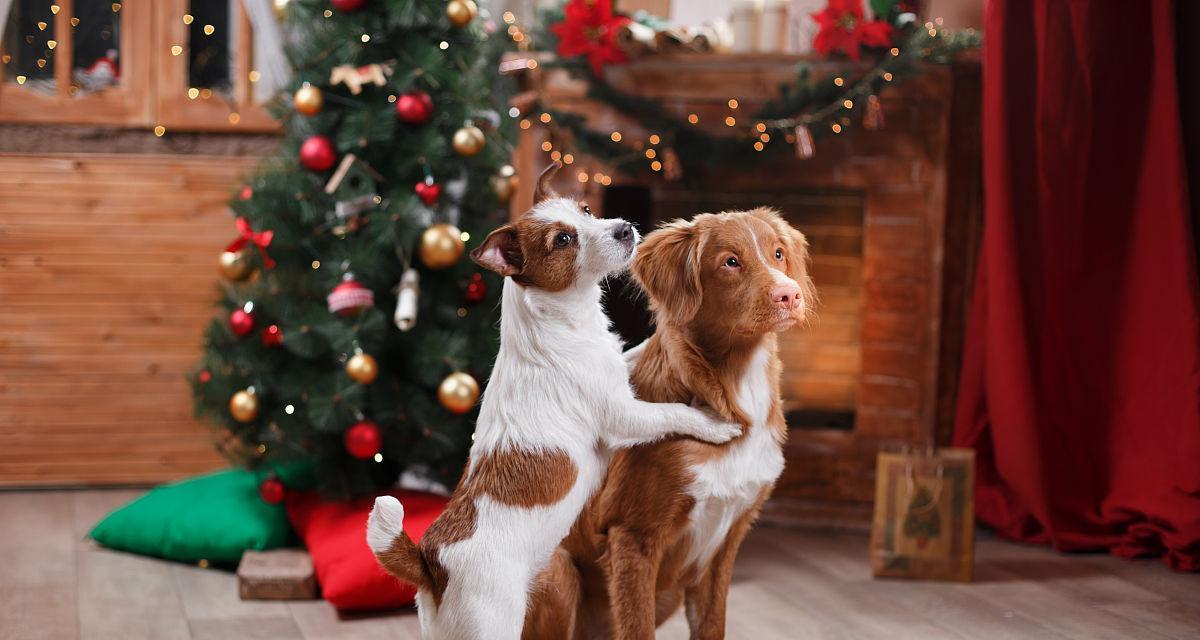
[261, 239]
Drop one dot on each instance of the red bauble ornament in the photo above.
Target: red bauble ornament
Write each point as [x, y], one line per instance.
[364, 439]
[347, 6]
[205, 376]
[349, 297]
[271, 491]
[272, 336]
[317, 153]
[428, 192]
[247, 193]
[241, 322]
[476, 289]
[414, 107]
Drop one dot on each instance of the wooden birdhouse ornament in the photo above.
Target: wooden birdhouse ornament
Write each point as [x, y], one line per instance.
[354, 187]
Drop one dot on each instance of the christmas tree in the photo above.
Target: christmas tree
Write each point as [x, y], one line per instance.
[353, 331]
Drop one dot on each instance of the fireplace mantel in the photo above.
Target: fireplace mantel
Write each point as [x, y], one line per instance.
[894, 216]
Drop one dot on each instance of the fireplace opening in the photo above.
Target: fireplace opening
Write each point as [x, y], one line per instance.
[822, 363]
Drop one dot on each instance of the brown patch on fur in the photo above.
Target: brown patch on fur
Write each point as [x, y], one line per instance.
[523, 478]
[398, 559]
[513, 477]
[709, 324]
[548, 265]
[528, 251]
[526, 248]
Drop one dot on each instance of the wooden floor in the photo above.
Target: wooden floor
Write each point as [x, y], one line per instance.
[788, 585]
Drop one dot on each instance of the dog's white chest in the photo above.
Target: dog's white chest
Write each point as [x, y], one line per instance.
[726, 486]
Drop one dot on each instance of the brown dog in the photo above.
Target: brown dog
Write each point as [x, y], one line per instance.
[666, 525]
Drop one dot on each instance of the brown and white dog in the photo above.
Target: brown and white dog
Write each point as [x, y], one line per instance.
[558, 400]
[667, 523]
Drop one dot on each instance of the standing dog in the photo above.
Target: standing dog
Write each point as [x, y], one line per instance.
[558, 398]
[666, 526]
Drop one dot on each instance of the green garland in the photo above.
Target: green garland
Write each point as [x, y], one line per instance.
[808, 107]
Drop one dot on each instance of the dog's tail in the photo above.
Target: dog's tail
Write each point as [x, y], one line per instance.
[391, 544]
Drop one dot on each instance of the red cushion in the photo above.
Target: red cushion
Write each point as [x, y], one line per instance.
[336, 536]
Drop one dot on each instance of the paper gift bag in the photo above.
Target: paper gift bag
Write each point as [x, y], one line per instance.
[924, 524]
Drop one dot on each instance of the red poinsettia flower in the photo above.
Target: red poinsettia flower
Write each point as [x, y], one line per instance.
[843, 29]
[589, 29]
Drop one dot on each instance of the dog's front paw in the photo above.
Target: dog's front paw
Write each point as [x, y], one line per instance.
[717, 431]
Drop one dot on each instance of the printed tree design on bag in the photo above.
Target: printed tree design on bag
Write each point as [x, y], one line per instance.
[922, 520]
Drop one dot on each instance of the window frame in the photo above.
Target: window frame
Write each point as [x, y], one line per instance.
[175, 110]
[123, 104]
[154, 83]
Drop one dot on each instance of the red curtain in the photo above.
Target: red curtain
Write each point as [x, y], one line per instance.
[1081, 377]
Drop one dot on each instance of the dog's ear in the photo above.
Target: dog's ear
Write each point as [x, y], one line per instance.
[543, 190]
[668, 268]
[796, 250]
[501, 252]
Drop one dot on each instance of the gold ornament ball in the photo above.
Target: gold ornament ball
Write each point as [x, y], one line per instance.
[504, 183]
[308, 100]
[244, 406]
[362, 368]
[441, 246]
[280, 7]
[461, 12]
[468, 141]
[236, 265]
[458, 392]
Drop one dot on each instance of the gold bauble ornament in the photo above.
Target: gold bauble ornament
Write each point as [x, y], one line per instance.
[461, 12]
[308, 100]
[280, 7]
[243, 406]
[468, 141]
[236, 265]
[441, 246]
[458, 392]
[504, 183]
[362, 368]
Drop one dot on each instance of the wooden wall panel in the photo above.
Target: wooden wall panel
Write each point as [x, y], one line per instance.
[107, 278]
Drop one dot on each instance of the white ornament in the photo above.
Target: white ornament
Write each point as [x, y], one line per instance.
[406, 301]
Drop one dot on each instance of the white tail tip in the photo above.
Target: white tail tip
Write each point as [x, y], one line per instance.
[385, 523]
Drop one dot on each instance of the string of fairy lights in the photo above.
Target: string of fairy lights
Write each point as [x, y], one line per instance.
[858, 99]
[854, 100]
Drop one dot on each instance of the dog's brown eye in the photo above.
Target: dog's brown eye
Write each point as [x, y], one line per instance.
[562, 239]
[732, 262]
[779, 254]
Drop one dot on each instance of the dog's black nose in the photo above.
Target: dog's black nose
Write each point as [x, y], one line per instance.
[623, 232]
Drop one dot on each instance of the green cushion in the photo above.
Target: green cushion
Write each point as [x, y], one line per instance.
[213, 517]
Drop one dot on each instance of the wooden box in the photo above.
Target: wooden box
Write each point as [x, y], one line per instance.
[282, 574]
